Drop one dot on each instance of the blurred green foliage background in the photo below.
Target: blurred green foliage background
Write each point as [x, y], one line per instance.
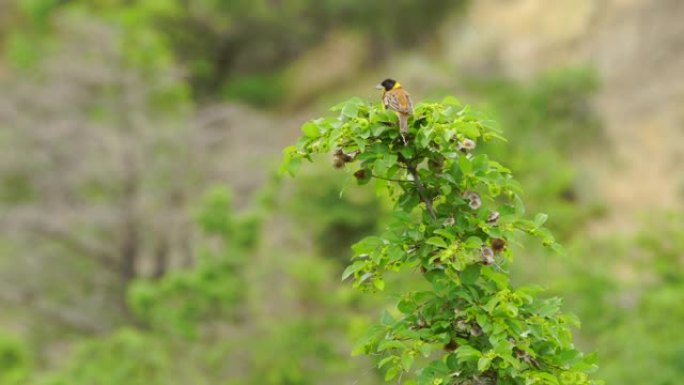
[144, 238]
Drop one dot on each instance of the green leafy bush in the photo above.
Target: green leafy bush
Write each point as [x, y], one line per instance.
[333, 219]
[258, 90]
[182, 300]
[634, 293]
[14, 361]
[455, 213]
[215, 323]
[550, 121]
[127, 357]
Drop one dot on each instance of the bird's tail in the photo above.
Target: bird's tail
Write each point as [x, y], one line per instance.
[403, 126]
[403, 123]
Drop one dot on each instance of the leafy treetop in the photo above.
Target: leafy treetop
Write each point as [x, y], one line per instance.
[455, 212]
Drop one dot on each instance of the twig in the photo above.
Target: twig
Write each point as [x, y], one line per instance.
[421, 190]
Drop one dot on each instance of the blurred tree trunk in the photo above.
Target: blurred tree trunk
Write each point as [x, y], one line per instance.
[161, 259]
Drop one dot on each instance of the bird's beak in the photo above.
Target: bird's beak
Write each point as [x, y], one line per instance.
[379, 87]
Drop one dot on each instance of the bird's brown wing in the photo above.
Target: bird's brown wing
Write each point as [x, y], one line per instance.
[398, 100]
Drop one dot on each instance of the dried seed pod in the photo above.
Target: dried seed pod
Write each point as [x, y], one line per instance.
[498, 245]
[487, 255]
[466, 145]
[348, 157]
[338, 162]
[474, 201]
[461, 325]
[361, 174]
[340, 158]
[493, 218]
[476, 330]
[451, 346]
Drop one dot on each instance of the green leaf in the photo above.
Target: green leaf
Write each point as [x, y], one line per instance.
[367, 245]
[548, 379]
[484, 363]
[380, 167]
[386, 318]
[473, 242]
[353, 268]
[437, 368]
[519, 206]
[491, 304]
[452, 362]
[470, 130]
[360, 143]
[386, 360]
[406, 152]
[395, 253]
[379, 129]
[437, 241]
[291, 161]
[510, 309]
[390, 344]
[540, 219]
[351, 107]
[480, 163]
[446, 234]
[390, 159]
[311, 130]
[392, 372]
[484, 322]
[568, 357]
[467, 353]
[425, 350]
[407, 306]
[424, 137]
[470, 274]
[446, 189]
[292, 166]
[407, 359]
[361, 346]
[465, 165]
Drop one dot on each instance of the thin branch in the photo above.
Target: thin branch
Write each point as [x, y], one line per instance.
[421, 190]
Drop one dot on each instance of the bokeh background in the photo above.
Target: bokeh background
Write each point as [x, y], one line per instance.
[145, 237]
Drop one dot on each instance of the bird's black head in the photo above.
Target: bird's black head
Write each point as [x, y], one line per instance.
[388, 84]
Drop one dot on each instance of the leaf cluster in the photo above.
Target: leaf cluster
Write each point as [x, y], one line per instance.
[455, 213]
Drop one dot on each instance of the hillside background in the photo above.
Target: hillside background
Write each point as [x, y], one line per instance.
[145, 237]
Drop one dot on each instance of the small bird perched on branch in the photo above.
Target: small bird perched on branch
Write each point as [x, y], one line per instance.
[395, 98]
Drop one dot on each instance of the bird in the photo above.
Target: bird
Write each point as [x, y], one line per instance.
[395, 98]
